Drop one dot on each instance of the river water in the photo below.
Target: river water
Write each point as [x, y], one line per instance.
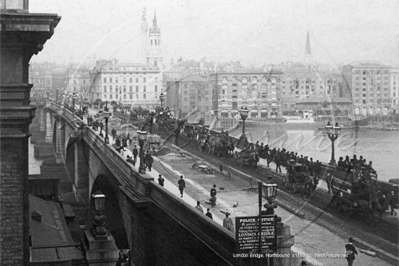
[380, 147]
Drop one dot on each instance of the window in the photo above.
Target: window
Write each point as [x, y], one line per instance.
[156, 88]
[110, 96]
[124, 88]
[131, 89]
[124, 80]
[137, 88]
[131, 96]
[110, 89]
[116, 80]
[105, 89]
[110, 80]
[105, 80]
[143, 96]
[144, 88]
[144, 79]
[131, 80]
[137, 80]
[124, 96]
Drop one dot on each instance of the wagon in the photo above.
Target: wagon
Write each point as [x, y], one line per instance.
[246, 158]
[356, 196]
[297, 179]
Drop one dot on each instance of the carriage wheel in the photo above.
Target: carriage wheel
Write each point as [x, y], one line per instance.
[241, 162]
[253, 164]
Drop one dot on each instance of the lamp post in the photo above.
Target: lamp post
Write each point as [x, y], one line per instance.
[106, 117]
[333, 133]
[106, 106]
[162, 98]
[98, 229]
[244, 114]
[151, 121]
[142, 136]
[269, 191]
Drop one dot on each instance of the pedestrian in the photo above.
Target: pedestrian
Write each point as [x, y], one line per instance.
[228, 223]
[208, 213]
[135, 153]
[161, 180]
[277, 162]
[130, 160]
[149, 160]
[182, 186]
[392, 203]
[199, 208]
[350, 252]
[221, 168]
[213, 196]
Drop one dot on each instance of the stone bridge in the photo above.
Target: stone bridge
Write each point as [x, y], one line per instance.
[161, 229]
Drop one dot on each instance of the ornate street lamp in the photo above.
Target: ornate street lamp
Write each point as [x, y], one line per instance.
[333, 133]
[162, 98]
[269, 191]
[244, 114]
[106, 106]
[106, 117]
[142, 136]
[98, 229]
[151, 121]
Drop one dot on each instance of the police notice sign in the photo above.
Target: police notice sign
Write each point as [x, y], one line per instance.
[247, 234]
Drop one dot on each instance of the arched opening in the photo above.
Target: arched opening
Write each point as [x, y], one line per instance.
[114, 222]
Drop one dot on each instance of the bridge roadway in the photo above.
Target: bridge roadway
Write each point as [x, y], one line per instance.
[152, 216]
[349, 228]
[312, 236]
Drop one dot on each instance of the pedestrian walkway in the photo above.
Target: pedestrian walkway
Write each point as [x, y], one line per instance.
[168, 185]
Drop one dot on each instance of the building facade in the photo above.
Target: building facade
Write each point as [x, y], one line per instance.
[370, 87]
[395, 90]
[40, 75]
[259, 92]
[131, 84]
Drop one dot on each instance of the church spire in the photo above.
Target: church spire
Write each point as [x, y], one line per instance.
[308, 52]
[154, 21]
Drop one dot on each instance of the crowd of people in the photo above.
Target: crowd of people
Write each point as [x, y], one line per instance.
[354, 163]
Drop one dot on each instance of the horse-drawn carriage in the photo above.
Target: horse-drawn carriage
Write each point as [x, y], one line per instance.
[220, 146]
[355, 194]
[246, 157]
[298, 179]
[190, 131]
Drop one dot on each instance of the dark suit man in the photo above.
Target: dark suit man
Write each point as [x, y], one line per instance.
[350, 251]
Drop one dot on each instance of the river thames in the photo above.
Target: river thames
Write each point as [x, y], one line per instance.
[380, 147]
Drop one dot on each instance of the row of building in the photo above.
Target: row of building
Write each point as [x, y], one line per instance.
[204, 88]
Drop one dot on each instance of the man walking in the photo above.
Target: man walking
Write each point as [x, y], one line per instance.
[228, 223]
[182, 186]
[392, 203]
[149, 160]
[350, 251]
[135, 153]
[213, 196]
[161, 180]
[199, 208]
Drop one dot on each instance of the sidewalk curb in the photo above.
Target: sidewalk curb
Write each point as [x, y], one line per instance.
[379, 253]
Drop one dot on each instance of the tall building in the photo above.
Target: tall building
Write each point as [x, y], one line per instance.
[40, 75]
[133, 83]
[370, 87]
[395, 90]
[259, 92]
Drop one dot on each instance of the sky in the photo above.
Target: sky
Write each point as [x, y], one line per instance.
[255, 32]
